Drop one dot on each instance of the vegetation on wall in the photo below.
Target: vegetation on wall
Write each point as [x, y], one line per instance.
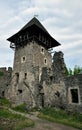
[75, 71]
[1, 73]
[21, 108]
[61, 116]
[5, 102]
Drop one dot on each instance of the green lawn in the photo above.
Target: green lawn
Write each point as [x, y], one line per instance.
[62, 117]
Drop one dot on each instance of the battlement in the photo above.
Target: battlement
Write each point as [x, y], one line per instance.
[5, 80]
[6, 70]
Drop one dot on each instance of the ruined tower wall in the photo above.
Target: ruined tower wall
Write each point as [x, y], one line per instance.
[59, 66]
[30, 56]
[43, 85]
[53, 82]
[5, 81]
[28, 63]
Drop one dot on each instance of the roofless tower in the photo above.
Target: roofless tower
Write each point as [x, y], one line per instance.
[31, 45]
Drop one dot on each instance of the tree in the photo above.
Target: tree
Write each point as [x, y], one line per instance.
[77, 70]
[70, 72]
[66, 71]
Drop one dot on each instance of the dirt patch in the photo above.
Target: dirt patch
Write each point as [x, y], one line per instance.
[6, 124]
[41, 124]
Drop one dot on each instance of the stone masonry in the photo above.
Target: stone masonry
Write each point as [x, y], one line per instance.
[5, 81]
[38, 79]
[46, 86]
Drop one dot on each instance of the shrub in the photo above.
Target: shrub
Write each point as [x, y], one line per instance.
[1, 73]
[5, 102]
[21, 108]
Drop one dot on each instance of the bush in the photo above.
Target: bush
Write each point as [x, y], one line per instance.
[21, 108]
[5, 102]
[1, 73]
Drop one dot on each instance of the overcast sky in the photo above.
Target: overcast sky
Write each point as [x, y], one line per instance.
[61, 18]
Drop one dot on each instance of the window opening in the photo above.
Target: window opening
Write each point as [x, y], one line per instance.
[20, 91]
[3, 93]
[45, 61]
[25, 76]
[42, 50]
[74, 95]
[23, 59]
[17, 77]
[42, 98]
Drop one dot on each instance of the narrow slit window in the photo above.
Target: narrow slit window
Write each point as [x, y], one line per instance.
[42, 50]
[25, 76]
[45, 61]
[3, 93]
[17, 77]
[23, 59]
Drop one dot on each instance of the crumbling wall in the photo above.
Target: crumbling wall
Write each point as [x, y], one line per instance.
[58, 66]
[54, 95]
[28, 63]
[5, 81]
[53, 82]
[25, 90]
[74, 92]
[42, 86]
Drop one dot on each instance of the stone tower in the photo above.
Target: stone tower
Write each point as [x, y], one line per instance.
[31, 45]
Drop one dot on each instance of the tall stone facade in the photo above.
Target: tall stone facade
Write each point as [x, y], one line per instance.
[27, 71]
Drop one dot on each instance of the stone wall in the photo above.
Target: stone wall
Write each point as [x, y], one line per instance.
[40, 84]
[58, 66]
[74, 83]
[53, 82]
[5, 81]
[28, 63]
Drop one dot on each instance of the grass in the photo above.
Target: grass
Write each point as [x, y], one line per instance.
[5, 102]
[10, 121]
[60, 116]
[1, 73]
[21, 108]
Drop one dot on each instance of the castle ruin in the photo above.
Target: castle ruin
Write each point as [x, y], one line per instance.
[37, 78]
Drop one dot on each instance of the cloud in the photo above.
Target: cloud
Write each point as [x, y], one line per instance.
[62, 19]
[29, 11]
